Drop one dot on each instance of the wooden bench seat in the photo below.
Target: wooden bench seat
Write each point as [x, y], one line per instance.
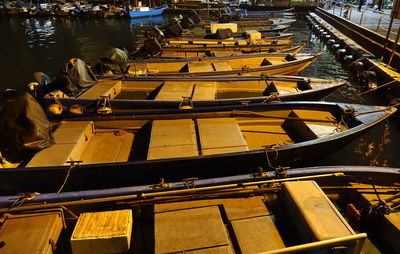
[222, 66]
[109, 88]
[174, 91]
[71, 139]
[313, 213]
[200, 67]
[324, 128]
[172, 138]
[220, 135]
[204, 91]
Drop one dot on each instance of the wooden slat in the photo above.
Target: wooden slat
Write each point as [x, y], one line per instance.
[257, 234]
[174, 91]
[258, 136]
[213, 250]
[168, 53]
[204, 91]
[189, 229]
[172, 138]
[222, 66]
[109, 88]
[200, 67]
[216, 134]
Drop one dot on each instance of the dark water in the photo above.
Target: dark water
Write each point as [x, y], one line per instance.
[41, 44]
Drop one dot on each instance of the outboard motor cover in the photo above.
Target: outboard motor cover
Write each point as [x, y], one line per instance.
[77, 76]
[152, 46]
[224, 33]
[195, 17]
[24, 126]
[156, 33]
[187, 23]
[174, 29]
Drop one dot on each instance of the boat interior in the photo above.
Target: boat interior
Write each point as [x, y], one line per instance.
[273, 218]
[153, 137]
[242, 43]
[199, 90]
[233, 41]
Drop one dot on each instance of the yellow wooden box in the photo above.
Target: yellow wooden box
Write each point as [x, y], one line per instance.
[215, 26]
[253, 34]
[102, 232]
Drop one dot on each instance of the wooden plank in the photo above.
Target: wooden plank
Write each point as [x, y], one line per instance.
[174, 91]
[200, 67]
[168, 53]
[109, 88]
[204, 91]
[102, 232]
[222, 66]
[257, 234]
[176, 138]
[189, 229]
[55, 155]
[323, 223]
[34, 232]
[218, 133]
[222, 53]
[235, 208]
[107, 147]
[258, 136]
[214, 250]
[71, 132]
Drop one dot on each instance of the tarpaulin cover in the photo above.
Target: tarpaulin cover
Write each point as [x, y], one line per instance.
[77, 76]
[23, 125]
[118, 58]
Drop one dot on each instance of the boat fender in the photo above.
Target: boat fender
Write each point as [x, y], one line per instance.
[340, 53]
[330, 42]
[55, 109]
[353, 215]
[335, 46]
[369, 79]
[327, 37]
[357, 67]
[104, 110]
[76, 109]
[395, 103]
[348, 59]
[320, 31]
[33, 85]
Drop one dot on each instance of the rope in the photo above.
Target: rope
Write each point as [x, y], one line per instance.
[272, 147]
[386, 84]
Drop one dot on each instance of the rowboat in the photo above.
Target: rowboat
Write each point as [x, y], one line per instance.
[266, 64]
[256, 22]
[131, 148]
[138, 93]
[240, 40]
[182, 50]
[174, 51]
[309, 210]
[140, 12]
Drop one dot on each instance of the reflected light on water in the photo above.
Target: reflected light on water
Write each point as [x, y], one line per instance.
[39, 33]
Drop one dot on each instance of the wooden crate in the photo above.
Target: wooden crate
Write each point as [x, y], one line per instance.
[102, 232]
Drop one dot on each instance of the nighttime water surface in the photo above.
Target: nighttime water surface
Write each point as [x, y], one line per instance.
[28, 45]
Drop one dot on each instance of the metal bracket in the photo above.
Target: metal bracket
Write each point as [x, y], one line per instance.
[190, 183]
[161, 185]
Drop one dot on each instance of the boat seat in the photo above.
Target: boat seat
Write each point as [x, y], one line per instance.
[204, 91]
[200, 67]
[286, 88]
[172, 138]
[71, 139]
[137, 69]
[222, 53]
[220, 135]
[312, 213]
[168, 53]
[174, 91]
[34, 231]
[303, 130]
[222, 66]
[110, 88]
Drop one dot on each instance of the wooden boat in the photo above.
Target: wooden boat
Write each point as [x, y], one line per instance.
[198, 50]
[124, 149]
[310, 210]
[140, 12]
[256, 22]
[242, 40]
[276, 31]
[138, 93]
[271, 64]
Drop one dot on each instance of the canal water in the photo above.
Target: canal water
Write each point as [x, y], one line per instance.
[28, 45]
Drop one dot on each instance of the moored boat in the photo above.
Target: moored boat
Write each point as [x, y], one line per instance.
[123, 149]
[140, 12]
[266, 64]
[139, 93]
[311, 209]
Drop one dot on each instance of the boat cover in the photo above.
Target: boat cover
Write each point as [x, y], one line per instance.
[23, 124]
[77, 76]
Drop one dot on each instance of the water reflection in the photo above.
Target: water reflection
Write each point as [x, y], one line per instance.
[39, 33]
